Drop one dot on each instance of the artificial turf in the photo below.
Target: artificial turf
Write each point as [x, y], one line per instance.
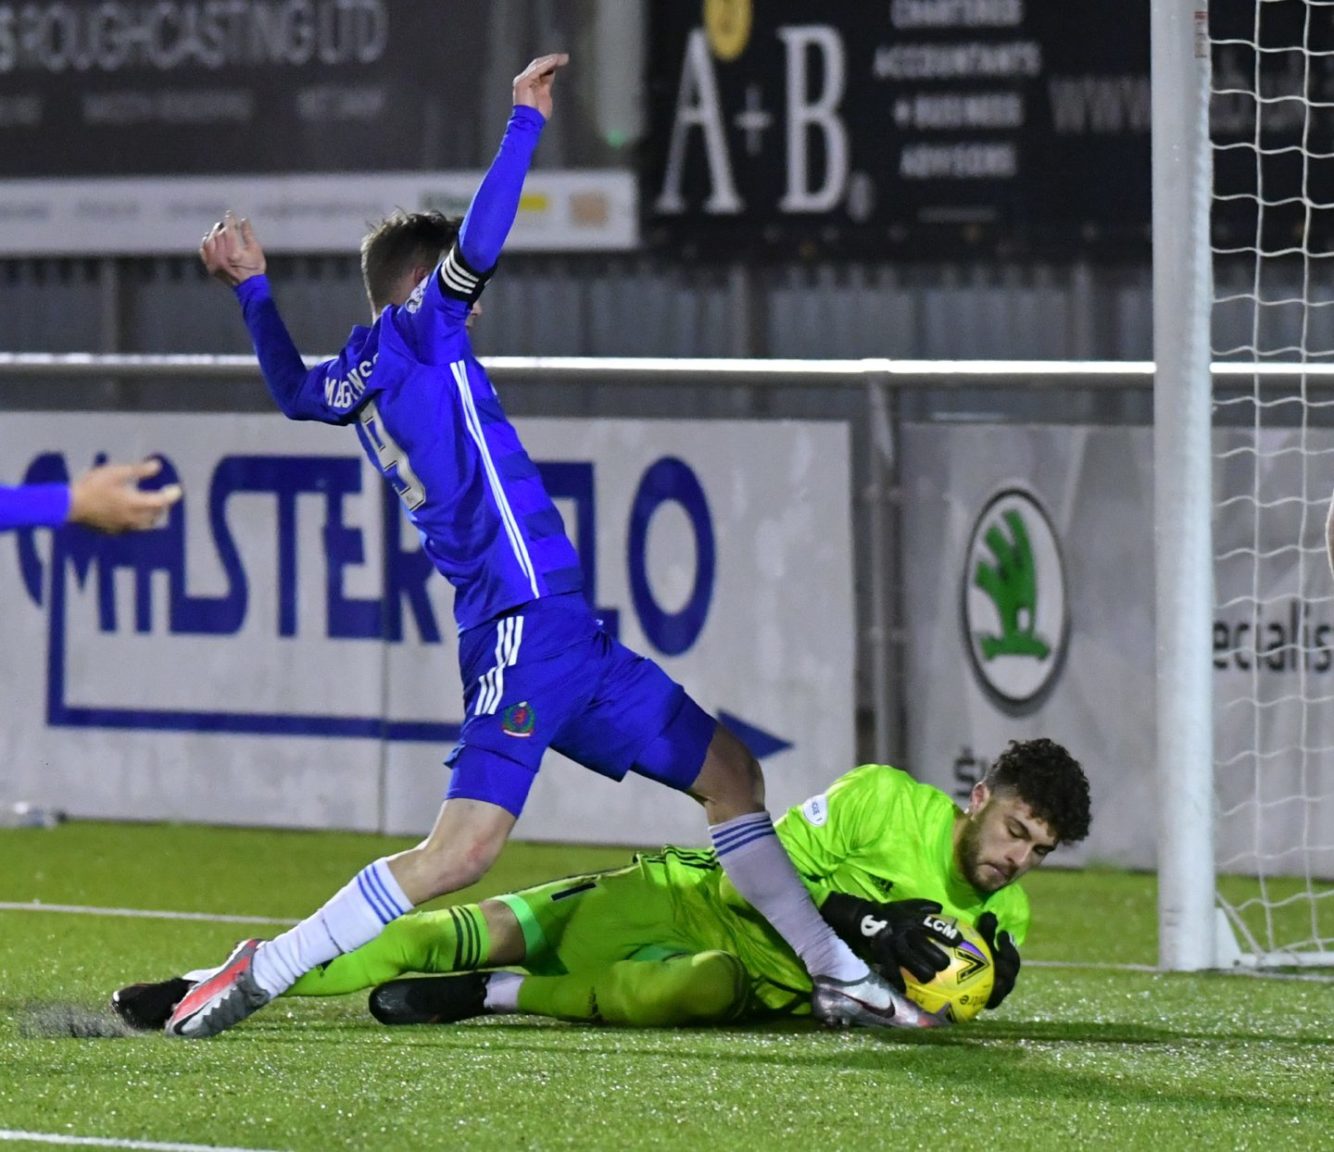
[1079, 1057]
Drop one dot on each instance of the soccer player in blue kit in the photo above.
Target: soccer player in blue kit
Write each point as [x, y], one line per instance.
[537, 668]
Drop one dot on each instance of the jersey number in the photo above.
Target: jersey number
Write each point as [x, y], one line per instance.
[392, 459]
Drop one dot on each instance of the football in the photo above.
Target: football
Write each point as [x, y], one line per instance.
[960, 991]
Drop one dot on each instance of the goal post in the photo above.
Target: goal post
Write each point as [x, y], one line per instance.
[1182, 291]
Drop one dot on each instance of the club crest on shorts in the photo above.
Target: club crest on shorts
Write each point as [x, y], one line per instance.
[518, 720]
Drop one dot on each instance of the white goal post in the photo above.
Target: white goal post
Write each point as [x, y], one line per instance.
[1182, 289]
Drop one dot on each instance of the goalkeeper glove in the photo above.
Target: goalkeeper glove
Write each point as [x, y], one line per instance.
[891, 936]
[1004, 956]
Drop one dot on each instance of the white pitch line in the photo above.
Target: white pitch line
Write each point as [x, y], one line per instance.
[1257, 974]
[142, 913]
[104, 1142]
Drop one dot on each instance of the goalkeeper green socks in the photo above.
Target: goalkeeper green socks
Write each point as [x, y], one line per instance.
[706, 988]
[448, 940]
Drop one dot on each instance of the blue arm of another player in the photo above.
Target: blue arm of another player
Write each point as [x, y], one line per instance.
[496, 201]
[34, 506]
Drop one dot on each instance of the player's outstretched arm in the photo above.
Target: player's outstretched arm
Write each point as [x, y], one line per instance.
[231, 252]
[106, 498]
[496, 202]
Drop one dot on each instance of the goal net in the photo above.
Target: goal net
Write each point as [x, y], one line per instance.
[1271, 133]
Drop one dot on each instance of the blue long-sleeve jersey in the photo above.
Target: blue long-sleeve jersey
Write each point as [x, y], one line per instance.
[429, 418]
[34, 506]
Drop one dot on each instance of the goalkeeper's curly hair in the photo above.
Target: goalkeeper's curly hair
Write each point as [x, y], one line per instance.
[1050, 781]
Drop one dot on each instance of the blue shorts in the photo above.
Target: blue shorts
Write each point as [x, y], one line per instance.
[546, 675]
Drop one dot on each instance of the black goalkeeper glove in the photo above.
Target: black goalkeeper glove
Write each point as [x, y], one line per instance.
[890, 936]
[1004, 955]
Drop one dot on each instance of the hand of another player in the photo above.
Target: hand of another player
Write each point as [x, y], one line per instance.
[108, 497]
[230, 251]
[1004, 955]
[532, 86]
[891, 936]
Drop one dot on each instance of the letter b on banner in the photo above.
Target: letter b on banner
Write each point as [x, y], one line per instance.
[671, 480]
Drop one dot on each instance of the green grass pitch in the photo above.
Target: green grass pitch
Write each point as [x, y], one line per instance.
[1089, 1056]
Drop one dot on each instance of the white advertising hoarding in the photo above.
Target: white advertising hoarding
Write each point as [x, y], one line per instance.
[127, 126]
[1029, 568]
[310, 213]
[281, 653]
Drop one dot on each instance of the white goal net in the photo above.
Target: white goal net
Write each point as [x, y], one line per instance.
[1272, 232]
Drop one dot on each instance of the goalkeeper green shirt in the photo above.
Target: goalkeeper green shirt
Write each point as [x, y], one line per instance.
[880, 834]
[876, 833]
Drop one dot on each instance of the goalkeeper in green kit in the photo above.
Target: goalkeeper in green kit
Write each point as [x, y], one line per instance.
[669, 941]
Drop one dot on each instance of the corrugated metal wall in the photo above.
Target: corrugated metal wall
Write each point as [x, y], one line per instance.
[641, 306]
[615, 306]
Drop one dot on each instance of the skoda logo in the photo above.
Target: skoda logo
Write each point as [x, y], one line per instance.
[1016, 621]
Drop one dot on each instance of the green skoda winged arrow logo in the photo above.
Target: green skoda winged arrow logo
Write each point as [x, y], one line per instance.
[1013, 587]
[1015, 618]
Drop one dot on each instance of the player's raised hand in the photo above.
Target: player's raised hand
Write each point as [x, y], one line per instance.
[1004, 955]
[108, 497]
[532, 86]
[230, 251]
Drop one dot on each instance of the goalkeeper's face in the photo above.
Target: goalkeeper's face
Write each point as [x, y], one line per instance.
[1000, 839]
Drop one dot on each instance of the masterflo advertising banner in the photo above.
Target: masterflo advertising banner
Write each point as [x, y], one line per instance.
[1029, 562]
[282, 653]
[127, 126]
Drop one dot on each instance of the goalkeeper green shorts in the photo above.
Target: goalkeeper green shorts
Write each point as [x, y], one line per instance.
[583, 923]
